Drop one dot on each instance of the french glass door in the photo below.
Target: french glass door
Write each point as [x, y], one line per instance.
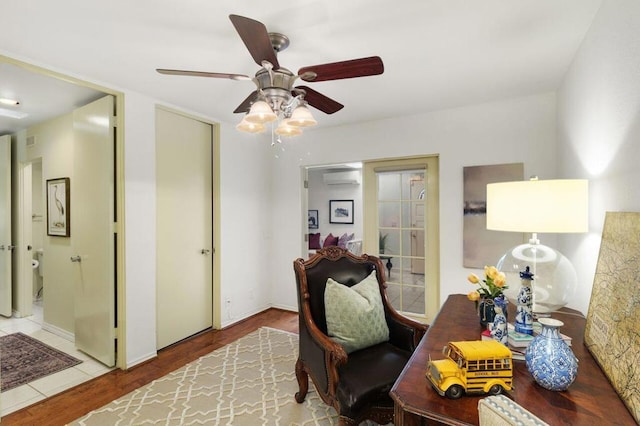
[401, 210]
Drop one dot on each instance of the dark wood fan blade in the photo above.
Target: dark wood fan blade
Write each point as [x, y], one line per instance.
[320, 101]
[246, 104]
[203, 74]
[256, 37]
[346, 69]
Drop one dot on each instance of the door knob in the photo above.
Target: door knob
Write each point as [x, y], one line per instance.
[76, 259]
[2, 247]
[205, 251]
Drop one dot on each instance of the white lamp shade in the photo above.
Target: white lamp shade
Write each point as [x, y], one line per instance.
[284, 129]
[261, 112]
[302, 117]
[247, 126]
[539, 206]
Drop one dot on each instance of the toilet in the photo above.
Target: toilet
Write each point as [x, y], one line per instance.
[38, 283]
[39, 255]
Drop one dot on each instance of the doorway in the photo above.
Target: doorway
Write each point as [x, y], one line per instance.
[24, 219]
[328, 187]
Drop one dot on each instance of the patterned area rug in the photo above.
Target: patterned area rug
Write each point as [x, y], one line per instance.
[24, 359]
[248, 382]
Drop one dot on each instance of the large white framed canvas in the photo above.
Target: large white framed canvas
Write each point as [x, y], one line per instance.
[612, 327]
[481, 246]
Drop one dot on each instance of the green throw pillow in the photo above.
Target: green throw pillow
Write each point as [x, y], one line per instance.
[355, 315]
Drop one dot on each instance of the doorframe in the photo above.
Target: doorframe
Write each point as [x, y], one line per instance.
[119, 221]
[216, 226]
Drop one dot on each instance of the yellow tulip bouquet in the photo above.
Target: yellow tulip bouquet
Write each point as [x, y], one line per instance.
[489, 292]
[491, 287]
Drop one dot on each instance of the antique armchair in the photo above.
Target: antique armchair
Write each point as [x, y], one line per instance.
[356, 384]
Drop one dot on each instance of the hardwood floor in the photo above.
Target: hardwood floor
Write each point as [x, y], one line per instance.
[74, 403]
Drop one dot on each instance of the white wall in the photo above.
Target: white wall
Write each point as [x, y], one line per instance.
[599, 128]
[512, 130]
[248, 239]
[140, 227]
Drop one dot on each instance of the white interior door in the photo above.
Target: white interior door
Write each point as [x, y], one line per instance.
[6, 244]
[184, 227]
[92, 229]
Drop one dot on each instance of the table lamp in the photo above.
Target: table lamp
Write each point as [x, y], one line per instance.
[539, 206]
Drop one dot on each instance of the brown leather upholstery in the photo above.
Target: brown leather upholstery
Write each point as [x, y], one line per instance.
[357, 385]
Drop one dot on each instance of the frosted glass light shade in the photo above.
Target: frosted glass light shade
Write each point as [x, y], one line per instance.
[302, 117]
[554, 277]
[539, 206]
[247, 126]
[285, 129]
[261, 112]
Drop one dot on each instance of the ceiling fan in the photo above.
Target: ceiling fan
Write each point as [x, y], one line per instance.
[275, 84]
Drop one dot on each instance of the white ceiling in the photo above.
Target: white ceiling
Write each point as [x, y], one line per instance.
[437, 53]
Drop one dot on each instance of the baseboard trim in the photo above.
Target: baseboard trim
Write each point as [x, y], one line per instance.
[141, 360]
[245, 318]
[59, 332]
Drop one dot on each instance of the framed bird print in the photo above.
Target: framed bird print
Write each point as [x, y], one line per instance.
[58, 191]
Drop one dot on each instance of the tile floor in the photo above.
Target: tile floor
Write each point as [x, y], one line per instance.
[412, 291]
[25, 395]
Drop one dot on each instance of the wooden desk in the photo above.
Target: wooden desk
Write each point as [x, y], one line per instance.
[589, 400]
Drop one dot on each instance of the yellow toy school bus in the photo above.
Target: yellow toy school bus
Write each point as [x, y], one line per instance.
[480, 366]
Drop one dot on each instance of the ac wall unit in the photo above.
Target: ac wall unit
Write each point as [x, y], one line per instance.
[342, 178]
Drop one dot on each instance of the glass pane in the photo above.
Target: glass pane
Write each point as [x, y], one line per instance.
[393, 293]
[389, 214]
[413, 243]
[406, 214]
[415, 278]
[388, 186]
[393, 268]
[412, 178]
[391, 241]
[413, 299]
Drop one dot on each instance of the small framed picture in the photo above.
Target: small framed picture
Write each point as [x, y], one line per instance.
[58, 200]
[313, 219]
[341, 211]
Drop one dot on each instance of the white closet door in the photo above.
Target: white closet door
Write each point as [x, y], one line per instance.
[92, 229]
[184, 227]
[5, 226]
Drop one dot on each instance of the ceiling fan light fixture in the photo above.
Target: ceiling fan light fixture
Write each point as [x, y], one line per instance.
[286, 129]
[261, 112]
[302, 117]
[249, 127]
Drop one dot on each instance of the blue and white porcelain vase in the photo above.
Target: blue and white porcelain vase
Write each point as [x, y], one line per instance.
[549, 359]
[498, 327]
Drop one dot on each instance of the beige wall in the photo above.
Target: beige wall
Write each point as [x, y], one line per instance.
[54, 145]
